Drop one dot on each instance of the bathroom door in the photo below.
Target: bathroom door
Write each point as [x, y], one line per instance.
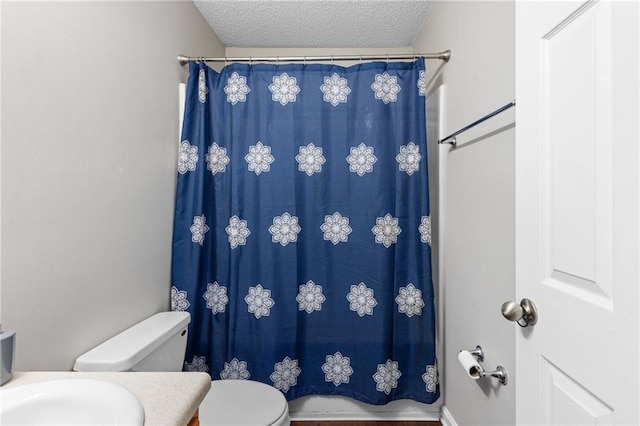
[577, 211]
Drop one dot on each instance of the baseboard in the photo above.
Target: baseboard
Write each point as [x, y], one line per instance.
[446, 418]
[335, 408]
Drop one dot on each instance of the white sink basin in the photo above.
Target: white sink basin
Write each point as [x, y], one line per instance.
[70, 402]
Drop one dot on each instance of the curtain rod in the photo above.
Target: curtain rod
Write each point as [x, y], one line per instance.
[443, 56]
[451, 139]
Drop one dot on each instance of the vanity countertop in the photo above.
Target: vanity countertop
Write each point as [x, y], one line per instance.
[168, 398]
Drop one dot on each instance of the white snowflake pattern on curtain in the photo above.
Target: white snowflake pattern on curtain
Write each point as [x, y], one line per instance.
[235, 370]
[337, 369]
[284, 89]
[179, 300]
[187, 157]
[259, 158]
[386, 88]
[198, 229]
[310, 159]
[236, 88]
[216, 159]
[386, 376]
[199, 363]
[259, 301]
[310, 297]
[430, 378]
[202, 87]
[386, 230]
[216, 297]
[336, 228]
[409, 300]
[285, 374]
[285, 229]
[409, 158]
[422, 84]
[237, 232]
[361, 159]
[425, 229]
[335, 90]
[361, 300]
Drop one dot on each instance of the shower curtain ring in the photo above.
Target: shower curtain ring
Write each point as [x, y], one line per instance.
[250, 61]
[332, 59]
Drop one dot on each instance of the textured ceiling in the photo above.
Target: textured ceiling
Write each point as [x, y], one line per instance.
[315, 23]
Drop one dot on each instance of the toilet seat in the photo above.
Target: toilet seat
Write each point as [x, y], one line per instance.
[243, 403]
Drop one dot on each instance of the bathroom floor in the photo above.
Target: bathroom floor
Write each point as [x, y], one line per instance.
[365, 423]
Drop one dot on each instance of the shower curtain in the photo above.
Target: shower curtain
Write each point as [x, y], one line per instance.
[302, 235]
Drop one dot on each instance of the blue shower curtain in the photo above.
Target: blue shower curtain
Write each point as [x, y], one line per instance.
[302, 235]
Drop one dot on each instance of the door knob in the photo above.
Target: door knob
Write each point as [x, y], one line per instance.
[524, 313]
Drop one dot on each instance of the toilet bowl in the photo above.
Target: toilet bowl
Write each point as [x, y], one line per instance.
[158, 344]
[242, 403]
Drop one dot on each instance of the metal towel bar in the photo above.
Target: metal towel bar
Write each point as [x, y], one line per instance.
[451, 139]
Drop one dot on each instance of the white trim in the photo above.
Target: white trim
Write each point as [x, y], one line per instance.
[442, 203]
[182, 95]
[446, 418]
[324, 407]
[367, 417]
[437, 155]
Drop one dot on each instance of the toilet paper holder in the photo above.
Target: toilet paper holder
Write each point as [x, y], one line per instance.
[478, 353]
[499, 373]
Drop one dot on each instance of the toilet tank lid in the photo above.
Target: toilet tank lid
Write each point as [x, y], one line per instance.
[123, 351]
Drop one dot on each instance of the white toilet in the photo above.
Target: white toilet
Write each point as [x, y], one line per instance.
[158, 344]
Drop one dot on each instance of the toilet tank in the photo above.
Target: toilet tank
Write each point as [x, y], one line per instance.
[156, 344]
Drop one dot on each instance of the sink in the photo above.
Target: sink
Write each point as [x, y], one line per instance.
[70, 402]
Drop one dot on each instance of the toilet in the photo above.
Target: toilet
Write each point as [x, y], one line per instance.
[159, 344]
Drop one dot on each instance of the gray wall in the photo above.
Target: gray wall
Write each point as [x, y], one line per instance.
[479, 192]
[89, 129]
[89, 137]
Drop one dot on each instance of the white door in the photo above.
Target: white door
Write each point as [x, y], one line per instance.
[577, 215]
